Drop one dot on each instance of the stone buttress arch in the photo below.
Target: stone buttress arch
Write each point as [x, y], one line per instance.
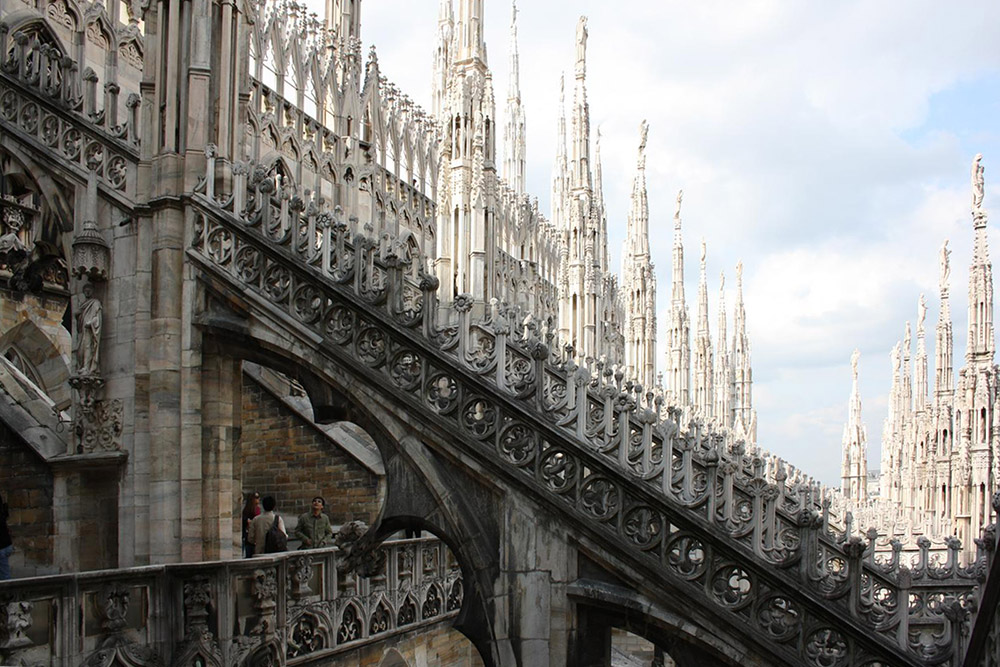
[423, 491]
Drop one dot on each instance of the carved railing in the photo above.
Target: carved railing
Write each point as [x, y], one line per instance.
[278, 610]
[58, 104]
[699, 514]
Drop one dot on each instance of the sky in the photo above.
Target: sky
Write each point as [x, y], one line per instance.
[827, 145]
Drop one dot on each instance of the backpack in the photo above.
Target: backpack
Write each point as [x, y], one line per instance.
[275, 541]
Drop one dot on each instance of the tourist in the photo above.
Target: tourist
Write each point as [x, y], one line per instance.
[6, 544]
[263, 523]
[314, 527]
[250, 510]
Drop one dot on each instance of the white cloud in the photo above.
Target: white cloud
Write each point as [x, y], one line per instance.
[827, 145]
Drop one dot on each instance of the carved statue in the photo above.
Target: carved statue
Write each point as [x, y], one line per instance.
[921, 312]
[854, 362]
[581, 43]
[89, 322]
[945, 263]
[978, 183]
[677, 214]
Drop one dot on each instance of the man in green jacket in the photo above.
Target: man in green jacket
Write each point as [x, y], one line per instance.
[314, 527]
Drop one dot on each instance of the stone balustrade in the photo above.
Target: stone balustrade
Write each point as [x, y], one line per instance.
[278, 609]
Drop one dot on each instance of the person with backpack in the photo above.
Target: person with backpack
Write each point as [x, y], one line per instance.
[267, 530]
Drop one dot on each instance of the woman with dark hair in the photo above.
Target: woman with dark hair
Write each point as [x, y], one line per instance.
[250, 510]
[6, 544]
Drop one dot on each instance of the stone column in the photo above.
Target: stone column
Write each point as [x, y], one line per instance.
[221, 402]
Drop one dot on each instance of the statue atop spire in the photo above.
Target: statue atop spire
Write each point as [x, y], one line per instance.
[643, 135]
[677, 214]
[978, 182]
[945, 264]
[581, 46]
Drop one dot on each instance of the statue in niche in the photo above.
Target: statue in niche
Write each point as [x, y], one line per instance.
[978, 182]
[89, 322]
[945, 263]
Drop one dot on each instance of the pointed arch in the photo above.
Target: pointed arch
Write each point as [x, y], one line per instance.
[31, 23]
[393, 658]
[34, 353]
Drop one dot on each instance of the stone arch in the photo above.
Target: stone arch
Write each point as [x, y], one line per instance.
[601, 606]
[30, 22]
[421, 491]
[46, 364]
[57, 211]
[393, 658]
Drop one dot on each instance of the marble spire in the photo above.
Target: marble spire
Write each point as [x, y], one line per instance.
[944, 375]
[854, 468]
[580, 142]
[442, 59]
[469, 32]
[920, 361]
[679, 352]
[514, 129]
[703, 363]
[639, 279]
[722, 411]
[744, 415]
[981, 346]
[559, 177]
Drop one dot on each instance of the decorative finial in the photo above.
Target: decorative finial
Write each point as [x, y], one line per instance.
[854, 363]
[704, 253]
[739, 274]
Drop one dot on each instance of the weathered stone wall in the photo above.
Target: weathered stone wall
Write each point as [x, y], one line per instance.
[283, 455]
[90, 512]
[26, 485]
[441, 646]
